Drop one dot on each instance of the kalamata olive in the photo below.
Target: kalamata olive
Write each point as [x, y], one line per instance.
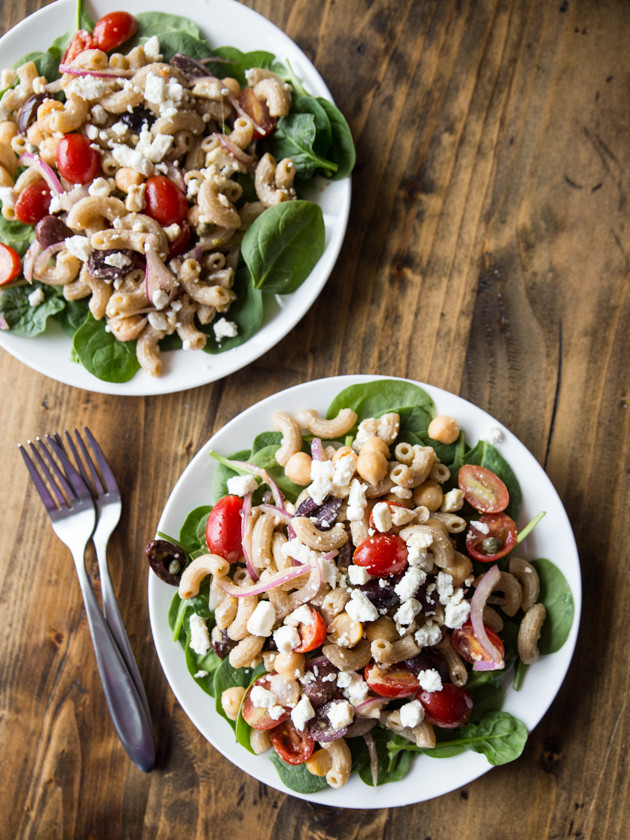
[381, 593]
[99, 268]
[323, 687]
[166, 560]
[428, 660]
[190, 68]
[28, 111]
[137, 118]
[51, 229]
[223, 647]
[322, 516]
[321, 728]
[427, 595]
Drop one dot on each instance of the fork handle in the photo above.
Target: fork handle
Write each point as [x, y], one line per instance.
[131, 722]
[116, 625]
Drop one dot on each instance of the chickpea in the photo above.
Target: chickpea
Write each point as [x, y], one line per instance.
[371, 465]
[289, 665]
[429, 495]
[443, 429]
[231, 700]
[319, 763]
[298, 469]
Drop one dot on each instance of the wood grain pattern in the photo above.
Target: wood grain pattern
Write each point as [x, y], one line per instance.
[487, 253]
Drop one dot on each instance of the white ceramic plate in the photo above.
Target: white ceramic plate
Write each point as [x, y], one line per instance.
[223, 22]
[552, 538]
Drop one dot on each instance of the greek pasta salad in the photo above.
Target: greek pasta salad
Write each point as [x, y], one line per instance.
[153, 189]
[360, 591]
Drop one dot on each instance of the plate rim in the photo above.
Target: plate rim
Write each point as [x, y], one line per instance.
[471, 765]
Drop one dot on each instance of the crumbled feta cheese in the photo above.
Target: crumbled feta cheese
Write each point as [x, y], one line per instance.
[241, 485]
[418, 558]
[360, 608]
[407, 586]
[302, 712]
[261, 621]
[344, 470]
[126, 156]
[419, 540]
[358, 575]
[321, 476]
[200, 674]
[55, 205]
[407, 611]
[455, 614]
[154, 88]
[159, 299]
[7, 197]
[79, 246]
[91, 132]
[430, 680]
[428, 635]
[411, 714]
[340, 714]
[444, 586]
[452, 501]
[381, 517]
[172, 232]
[401, 515]
[480, 526]
[8, 78]
[118, 259]
[100, 186]
[36, 297]
[302, 615]
[224, 329]
[262, 698]
[493, 435]
[401, 492]
[354, 687]
[151, 48]
[296, 551]
[286, 638]
[158, 320]
[276, 712]
[330, 573]
[199, 637]
[357, 501]
[87, 87]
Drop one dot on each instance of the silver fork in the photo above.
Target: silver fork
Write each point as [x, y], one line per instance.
[107, 500]
[71, 510]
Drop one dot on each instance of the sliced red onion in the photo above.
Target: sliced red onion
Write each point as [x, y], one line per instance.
[158, 278]
[258, 588]
[264, 475]
[310, 588]
[235, 150]
[284, 515]
[34, 250]
[484, 588]
[42, 259]
[317, 450]
[29, 159]
[369, 742]
[371, 707]
[97, 74]
[246, 535]
[4, 324]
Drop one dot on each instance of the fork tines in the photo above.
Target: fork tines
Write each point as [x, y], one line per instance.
[58, 476]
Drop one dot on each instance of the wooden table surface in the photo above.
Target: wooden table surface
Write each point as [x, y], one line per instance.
[489, 233]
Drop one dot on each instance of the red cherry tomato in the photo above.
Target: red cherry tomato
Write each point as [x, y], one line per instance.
[396, 681]
[180, 245]
[10, 264]
[499, 539]
[33, 203]
[448, 708]
[312, 634]
[382, 555]
[114, 29]
[483, 489]
[81, 41]
[256, 716]
[467, 645]
[257, 109]
[291, 744]
[166, 203]
[223, 529]
[390, 504]
[77, 161]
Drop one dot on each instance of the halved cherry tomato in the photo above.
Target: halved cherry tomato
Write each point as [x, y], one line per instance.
[114, 29]
[83, 40]
[312, 634]
[77, 161]
[180, 245]
[382, 555]
[223, 529]
[291, 744]
[166, 203]
[255, 108]
[483, 489]
[33, 203]
[467, 645]
[448, 708]
[10, 264]
[257, 716]
[390, 504]
[396, 681]
[496, 543]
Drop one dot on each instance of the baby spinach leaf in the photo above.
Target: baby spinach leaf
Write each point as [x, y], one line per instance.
[84, 19]
[154, 23]
[24, 319]
[485, 455]
[342, 151]
[243, 730]
[103, 355]
[372, 399]
[223, 472]
[266, 439]
[74, 313]
[283, 245]
[17, 235]
[227, 677]
[174, 41]
[295, 137]
[556, 595]
[193, 531]
[297, 777]
[231, 61]
[305, 104]
[246, 312]
[393, 764]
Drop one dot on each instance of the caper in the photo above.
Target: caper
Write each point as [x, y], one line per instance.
[491, 545]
